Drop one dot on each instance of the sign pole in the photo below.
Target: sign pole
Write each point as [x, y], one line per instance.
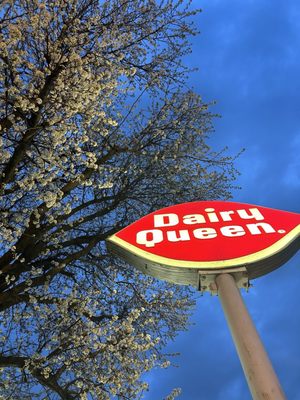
[262, 380]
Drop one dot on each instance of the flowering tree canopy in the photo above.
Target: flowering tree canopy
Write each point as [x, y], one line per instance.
[97, 129]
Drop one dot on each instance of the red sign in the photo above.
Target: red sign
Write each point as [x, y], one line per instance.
[211, 235]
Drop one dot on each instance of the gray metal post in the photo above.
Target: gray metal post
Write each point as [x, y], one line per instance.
[261, 378]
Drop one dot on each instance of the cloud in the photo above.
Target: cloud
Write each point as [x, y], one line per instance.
[249, 61]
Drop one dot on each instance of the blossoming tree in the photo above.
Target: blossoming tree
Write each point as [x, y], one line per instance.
[97, 129]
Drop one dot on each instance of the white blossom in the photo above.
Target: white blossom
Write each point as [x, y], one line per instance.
[96, 131]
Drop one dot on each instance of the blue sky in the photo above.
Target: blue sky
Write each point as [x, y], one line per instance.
[249, 62]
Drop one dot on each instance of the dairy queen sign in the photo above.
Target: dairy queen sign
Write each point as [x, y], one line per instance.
[182, 242]
[217, 246]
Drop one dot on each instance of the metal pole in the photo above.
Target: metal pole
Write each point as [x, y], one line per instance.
[261, 378]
